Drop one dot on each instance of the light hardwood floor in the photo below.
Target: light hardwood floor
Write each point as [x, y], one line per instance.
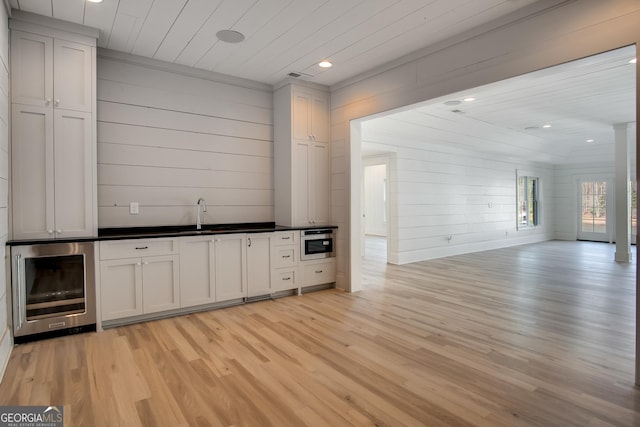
[537, 335]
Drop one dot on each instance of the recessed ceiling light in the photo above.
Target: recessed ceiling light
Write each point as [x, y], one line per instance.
[633, 61]
[546, 126]
[469, 99]
[325, 64]
[230, 36]
[94, 1]
[590, 140]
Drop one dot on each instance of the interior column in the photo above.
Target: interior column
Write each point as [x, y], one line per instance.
[622, 194]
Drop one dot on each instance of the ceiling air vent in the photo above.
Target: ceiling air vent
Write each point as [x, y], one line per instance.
[294, 75]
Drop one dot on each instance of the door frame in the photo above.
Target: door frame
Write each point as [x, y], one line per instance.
[610, 208]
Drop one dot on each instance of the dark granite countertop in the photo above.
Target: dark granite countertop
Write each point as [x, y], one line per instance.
[121, 233]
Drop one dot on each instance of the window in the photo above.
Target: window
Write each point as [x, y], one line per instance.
[528, 205]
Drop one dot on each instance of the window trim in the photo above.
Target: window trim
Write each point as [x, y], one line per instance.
[537, 200]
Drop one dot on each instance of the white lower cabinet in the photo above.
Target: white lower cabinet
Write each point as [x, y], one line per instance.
[160, 283]
[318, 272]
[136, 285]
[285, 256]
[145, 276]
[120, 288]
[259, 264]
[230, 266]
[197, 271]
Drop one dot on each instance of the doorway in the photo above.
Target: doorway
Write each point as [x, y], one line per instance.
[375, 208]
[595, 213]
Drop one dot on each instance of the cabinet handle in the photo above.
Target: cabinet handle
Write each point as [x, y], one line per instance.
[50, 231]
[286, 278]
[19, 279]
[318, 271]
[47, 101]
[59, 231]
[142, 247]
[145, 263]
[286, 256]
[249, 241]
[286, 238]
[56, 103]
[138, 263]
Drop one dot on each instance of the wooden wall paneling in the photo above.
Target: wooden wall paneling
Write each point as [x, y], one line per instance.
[155, 117]
[171, 177]
[118, 133]
[114, 195]
[168, 98]
[217, 88]
[166, 138]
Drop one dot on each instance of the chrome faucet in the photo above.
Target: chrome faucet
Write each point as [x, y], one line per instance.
[200, 204]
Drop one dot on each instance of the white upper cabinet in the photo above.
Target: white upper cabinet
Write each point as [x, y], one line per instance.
[48, 72]
[310, 115]
[53, 133]
[72, 76]
[31, 69]
[302, 160]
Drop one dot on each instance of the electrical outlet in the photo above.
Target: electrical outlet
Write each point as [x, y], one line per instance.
[134, 208]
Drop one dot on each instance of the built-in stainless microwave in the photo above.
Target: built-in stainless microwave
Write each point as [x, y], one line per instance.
[317, 243]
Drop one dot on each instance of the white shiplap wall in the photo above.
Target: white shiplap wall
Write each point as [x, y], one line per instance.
[5, 288]
[443, 192]
[567, 32]
[168, 135]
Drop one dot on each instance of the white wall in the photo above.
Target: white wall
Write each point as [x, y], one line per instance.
[168, 135]
[452, 201]
[572, 30]
[6, 340]
[375, 209]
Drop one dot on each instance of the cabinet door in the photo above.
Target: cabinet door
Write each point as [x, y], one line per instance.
[300, 178]
[72, 76]
[31, 69]
[32, 172]
[197, 278]
[73, 174]
[230, 267]
[320, 128]
[259, 264]
[320, 184]
[160, 283]
[120, 288]
[301, 115]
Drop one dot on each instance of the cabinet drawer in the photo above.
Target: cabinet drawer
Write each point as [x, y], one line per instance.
[283, 238]
[283, 279]
[285, 256]
[117, 249]
[318, 273]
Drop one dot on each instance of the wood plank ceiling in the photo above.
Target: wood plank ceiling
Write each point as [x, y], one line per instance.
[281, 35]
[581, 100]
